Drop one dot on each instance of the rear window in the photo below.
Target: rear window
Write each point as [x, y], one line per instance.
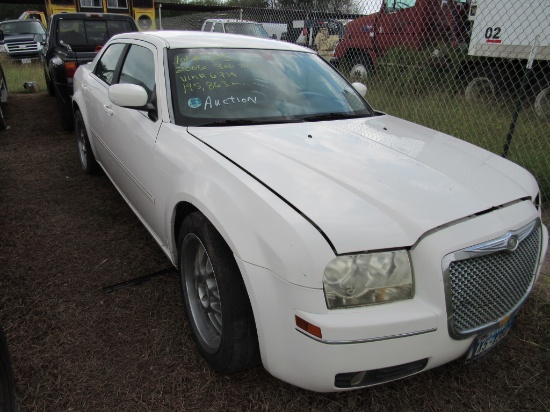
[86, 35]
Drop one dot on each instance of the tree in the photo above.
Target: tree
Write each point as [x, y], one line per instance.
[261, 4]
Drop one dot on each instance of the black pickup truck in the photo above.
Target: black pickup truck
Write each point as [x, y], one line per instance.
[74, 39]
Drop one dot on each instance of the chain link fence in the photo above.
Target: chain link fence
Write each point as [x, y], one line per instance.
[477, 70]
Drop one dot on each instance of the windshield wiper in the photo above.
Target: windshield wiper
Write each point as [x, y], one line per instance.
[333, 116]
[244, 122]
[230, 122]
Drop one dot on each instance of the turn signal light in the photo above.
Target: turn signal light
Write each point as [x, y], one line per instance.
[70, 69]
[308, 327]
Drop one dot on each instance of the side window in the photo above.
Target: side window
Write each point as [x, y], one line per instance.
[139, 68]
[90, 3]
[218, 27]
[105, 68]
[394, 5]
[208, 26]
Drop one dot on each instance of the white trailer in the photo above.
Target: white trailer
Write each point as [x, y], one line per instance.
[510, 29]
[512, 42]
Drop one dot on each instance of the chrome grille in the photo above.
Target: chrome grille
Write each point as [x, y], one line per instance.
[22, 47]
[485, 289]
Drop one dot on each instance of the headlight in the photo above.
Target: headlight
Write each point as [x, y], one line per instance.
[368, 279]
[3, 49]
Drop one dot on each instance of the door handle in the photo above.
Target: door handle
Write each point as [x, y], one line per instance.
[85, 88]
[108, 110]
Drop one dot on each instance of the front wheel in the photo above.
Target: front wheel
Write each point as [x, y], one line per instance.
[360, 69]
[216, 301]
[85, 154]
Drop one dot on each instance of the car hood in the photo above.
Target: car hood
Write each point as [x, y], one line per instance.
[18, 38]
[371, 183]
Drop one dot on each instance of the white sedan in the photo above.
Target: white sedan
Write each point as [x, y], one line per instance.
[339, 246]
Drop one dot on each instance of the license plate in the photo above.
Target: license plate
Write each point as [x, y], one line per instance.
[26, 61]
[483, 344]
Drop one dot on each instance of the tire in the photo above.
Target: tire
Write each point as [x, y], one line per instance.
[3, 125]
[359, 68]
[84, 150]
[217, 304]
[479, 88]
[49, 85]
[66, 115]
[542, 104]
[3, 92]
[8, 399]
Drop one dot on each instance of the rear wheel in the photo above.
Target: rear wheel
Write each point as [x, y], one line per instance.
[85, 154]
[3, 99]
[216, 301]
[542, 104]
[49, 85]
[8, 400]
[66, 115]
[479, 88]
[3, 125]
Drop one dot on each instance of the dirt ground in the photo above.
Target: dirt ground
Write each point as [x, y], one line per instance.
[65, 236]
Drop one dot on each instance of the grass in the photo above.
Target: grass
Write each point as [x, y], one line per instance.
[17, 74]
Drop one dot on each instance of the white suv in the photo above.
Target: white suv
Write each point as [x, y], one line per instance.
[248, 28]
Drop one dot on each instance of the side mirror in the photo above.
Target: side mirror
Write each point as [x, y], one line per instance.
[128, 95]
[1, 35]
[361, 88]
[39, 38]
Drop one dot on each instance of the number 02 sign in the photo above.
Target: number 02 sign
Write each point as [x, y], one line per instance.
[492, 35]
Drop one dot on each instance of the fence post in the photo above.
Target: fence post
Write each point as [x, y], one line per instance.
[521, 96]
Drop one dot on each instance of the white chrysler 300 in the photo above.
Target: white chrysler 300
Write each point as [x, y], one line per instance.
[339, 246]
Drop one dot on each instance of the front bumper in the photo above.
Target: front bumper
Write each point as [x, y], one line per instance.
[389, 340]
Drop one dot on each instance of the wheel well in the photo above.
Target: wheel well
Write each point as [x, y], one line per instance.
[183, 209]
[355, 53]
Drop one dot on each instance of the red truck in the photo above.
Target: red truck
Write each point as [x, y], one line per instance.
[415, 24]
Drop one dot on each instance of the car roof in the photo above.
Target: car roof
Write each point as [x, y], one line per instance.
[230, 21]
[176, 39]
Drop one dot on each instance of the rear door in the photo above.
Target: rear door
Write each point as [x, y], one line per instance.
[129, 135]
[95, 88]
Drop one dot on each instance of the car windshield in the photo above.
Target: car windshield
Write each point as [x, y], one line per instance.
[241, 86]
[249, 29]
[14, 28]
